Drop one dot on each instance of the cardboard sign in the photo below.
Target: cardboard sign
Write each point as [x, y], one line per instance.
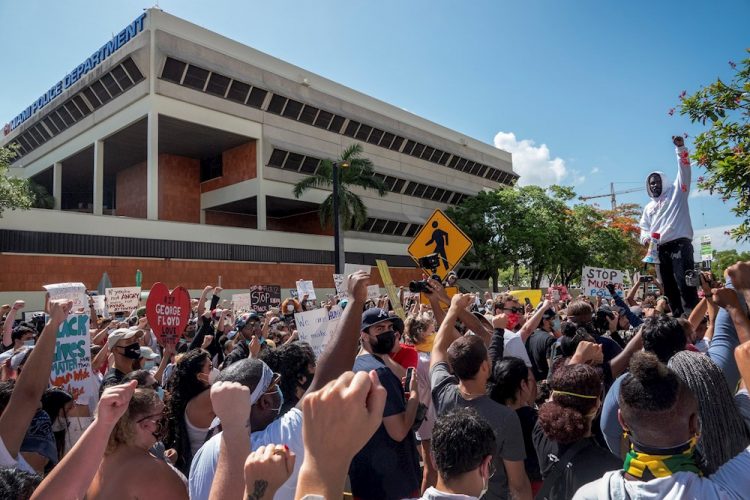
[534, 296]
[100, 306]
[241, 303]
[373, 292]
[594, 281]
[316, 327]
[293, 293]
[168, 312]
[339, 281]
[353, 268]
[558, 292]
[71, 367]
[390, 288]
[306, 287]
[441, 236]
[264, 297]
[75, 292]
[123, 299]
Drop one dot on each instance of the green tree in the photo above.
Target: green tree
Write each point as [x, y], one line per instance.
[725, 258]
[724, 148]
[40, 196]
[359, 173]
[14, 191]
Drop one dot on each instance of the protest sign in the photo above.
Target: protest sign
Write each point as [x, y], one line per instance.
[100, 306]
[390, 288]
[373, 292]
[305, 287]
[75, 292]
[168, 312]
[241, 303]
[316, 327]
[71, 367]
[264, 297]
[534, 296]
[594, 281]
[339, 283]
[293, 293]
[353, 268]
[558, 292]
[29, 316]
[123, 299]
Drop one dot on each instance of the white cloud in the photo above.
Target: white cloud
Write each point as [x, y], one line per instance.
[699, 193]
[594, 170]
[534, 163]
[719, 240]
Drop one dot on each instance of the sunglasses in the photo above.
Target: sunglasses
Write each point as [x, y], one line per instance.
[513, 309]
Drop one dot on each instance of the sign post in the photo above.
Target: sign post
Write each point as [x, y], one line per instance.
[390, 288]
[442, 237]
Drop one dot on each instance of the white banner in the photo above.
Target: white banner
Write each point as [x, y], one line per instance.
[75, 292]
[594, 281]
[241, 303]
[316, 327]
[124, 299]
[353, 268]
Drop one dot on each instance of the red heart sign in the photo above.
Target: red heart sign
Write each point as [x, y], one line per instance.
[168, 313]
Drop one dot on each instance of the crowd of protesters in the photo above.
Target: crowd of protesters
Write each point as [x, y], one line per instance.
[465, 397]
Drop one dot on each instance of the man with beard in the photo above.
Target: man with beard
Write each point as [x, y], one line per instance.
[387, 467]
[668, 215]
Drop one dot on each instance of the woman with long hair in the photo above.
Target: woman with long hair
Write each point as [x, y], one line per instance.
[57, 403]
[724, 433]
[515, 387]
[569, 456]
[128, 470]
[189, 410]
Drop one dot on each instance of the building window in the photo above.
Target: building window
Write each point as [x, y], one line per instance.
[211, 168]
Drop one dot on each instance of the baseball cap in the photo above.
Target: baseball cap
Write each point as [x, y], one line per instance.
[148, 353]
[122, 334]
[549, 314]
[243, 320]
[376, 315]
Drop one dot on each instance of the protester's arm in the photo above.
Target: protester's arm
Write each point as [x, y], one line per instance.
[727, 299]
[266, 470]
[216, 297]
[742, 356]
[204, 328]
[73, 475]
[698, 313]
[266, 324]
[682, 182]
[8, 325]
[399, 425]
[202, 300]
[437, 297]
[725, 338]
[518, 481]
[620, 363]
[447, 333]
[231, 403]
[398, 370]
[632, 294]
[101, 357]
[166, 358]
[645, 225]
[634, 320]
[475, 325]
[341, 350]
[353, 406]
[533, 322]
[33, 380]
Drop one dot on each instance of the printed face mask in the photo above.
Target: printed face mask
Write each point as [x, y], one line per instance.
[132, 351]
[385, 343]
[513, 320]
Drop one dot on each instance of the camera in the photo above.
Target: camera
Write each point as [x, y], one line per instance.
[693, 278]
[431, 262]
[646, 279]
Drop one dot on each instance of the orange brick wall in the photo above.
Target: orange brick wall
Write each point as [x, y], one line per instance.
[130, 194]
[306, 223]
[238, 164]
[31, 272]
[179, 192]
[231, 219]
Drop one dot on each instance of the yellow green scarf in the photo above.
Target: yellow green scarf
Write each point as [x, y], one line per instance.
[426, 344]
[647, 464]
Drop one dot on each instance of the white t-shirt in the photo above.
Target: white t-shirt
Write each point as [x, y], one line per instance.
[285, 430]
[7, 461]
[513, 346]
[731, 481]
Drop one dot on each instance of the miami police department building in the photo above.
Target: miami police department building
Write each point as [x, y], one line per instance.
[173, 150]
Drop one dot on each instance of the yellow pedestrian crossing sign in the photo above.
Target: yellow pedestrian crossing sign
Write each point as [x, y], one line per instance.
[441, 237]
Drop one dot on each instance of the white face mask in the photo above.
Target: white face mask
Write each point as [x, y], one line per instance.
[290, 308]
[213, 375]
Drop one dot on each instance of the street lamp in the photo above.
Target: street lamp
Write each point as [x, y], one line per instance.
[338, 233]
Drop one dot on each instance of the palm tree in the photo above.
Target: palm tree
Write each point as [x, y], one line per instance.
[360, 172]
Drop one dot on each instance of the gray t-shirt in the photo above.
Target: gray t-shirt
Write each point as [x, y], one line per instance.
[504, 421]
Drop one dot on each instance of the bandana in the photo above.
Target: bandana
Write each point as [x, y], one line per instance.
[654, 463]
[263, 383]
[426, 344]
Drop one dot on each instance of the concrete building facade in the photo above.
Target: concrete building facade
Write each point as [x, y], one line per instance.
[174, 150]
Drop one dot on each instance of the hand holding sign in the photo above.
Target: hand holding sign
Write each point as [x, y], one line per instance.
[168, 313]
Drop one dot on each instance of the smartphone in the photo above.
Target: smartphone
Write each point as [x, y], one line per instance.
[407, 379]
[646, 279]
[527, 300]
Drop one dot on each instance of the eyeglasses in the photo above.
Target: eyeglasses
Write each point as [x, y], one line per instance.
[157, 419]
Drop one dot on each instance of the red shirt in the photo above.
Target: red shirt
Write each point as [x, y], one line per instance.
[407, 356]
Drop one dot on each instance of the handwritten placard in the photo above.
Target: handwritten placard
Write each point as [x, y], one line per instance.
[339, 281]
[124, 299]
[241, 303]
[594, 281]
[305, 287]
[168, 312]
[373, 292]
[71, 367]
[316, 327]
[75, 292]
[264, 297]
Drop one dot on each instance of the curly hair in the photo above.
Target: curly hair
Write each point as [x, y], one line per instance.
[183, 386]
[663, 336]
[142, 404]
[564, 418]
[461, 440]
[415, 327]
[291, 361]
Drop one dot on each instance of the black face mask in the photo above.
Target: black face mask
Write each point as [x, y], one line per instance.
[133, 351]
[385, 343]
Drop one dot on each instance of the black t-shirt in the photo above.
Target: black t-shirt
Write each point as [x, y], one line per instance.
[112, 377]
[528, 416]
[538, 346]
[384, 468]
[589, 464]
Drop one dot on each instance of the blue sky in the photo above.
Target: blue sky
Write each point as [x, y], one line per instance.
[578, 91]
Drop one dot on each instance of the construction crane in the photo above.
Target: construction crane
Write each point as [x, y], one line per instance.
[612, 194]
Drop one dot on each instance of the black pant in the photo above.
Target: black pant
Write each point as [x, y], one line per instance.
[675, 258]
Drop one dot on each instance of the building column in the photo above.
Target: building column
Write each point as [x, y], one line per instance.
[152, 166]
[261, 197]
[57, 184]
[98, 177]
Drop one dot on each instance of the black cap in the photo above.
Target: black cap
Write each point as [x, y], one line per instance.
[376, 315]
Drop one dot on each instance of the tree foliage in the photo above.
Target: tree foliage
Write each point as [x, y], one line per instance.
[359, 173]
[724, 148]
[527, 233]
[725, 258]
[14, 191]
